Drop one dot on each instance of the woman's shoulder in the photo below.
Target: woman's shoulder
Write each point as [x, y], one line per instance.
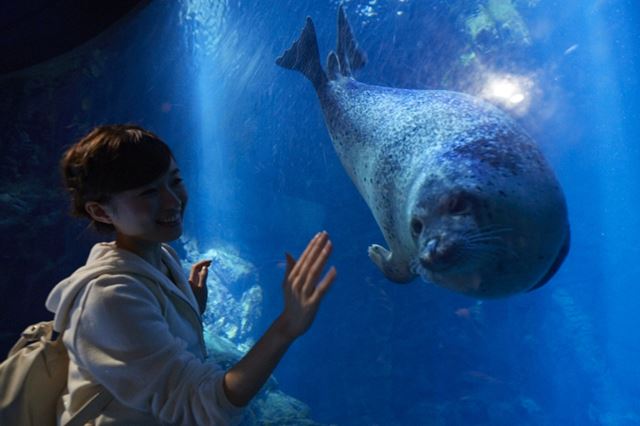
[118, 285]
[119, 297]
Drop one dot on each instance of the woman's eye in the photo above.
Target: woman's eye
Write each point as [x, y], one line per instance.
[177, 181]
[148, 192]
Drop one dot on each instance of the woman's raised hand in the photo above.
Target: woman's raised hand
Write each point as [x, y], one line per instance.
[303, 289]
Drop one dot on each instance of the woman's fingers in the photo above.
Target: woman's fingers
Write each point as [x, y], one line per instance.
[204, 272]
[291, 262]
[316, 268]
[302, 275]
[308, 251]
[202, 263]
[307, 270]
[192, 275]
[196, 271]
[324, 285]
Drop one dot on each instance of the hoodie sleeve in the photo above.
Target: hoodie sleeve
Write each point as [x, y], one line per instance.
[123, 340]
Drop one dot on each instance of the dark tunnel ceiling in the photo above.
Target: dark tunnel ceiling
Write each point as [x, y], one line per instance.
[33, 31]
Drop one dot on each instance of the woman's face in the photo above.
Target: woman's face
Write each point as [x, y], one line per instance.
[152, 212]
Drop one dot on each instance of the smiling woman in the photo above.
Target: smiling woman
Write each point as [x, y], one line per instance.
[132, 322]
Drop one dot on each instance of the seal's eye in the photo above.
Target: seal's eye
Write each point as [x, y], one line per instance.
[459, 205]
[416, 226]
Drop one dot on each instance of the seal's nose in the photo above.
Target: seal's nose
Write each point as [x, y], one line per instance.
[437, 254]
[428, 256]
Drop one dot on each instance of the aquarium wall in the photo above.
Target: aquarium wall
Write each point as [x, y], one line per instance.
[263, 178]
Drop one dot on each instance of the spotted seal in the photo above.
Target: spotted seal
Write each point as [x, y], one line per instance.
[463, 196]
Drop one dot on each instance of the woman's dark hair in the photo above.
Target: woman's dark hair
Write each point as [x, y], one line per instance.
[111, 159]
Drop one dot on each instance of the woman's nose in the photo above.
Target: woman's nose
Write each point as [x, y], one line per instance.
[171, 198]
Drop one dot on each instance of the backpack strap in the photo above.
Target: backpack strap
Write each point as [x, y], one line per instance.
[91, 409]
[31, 334]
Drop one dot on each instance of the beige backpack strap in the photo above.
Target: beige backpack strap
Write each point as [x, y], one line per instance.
[91, 409]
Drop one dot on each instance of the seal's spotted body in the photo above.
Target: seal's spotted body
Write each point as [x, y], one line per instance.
[463, 196]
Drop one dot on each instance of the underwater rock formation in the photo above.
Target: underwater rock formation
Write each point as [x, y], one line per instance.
[498, 19]
[229, 273]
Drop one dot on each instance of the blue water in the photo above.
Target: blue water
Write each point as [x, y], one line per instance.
[263, 178]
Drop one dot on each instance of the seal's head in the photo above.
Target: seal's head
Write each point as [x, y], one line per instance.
[487, 237]
[456, 244]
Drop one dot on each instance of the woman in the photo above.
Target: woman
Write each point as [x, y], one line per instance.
[131, 321]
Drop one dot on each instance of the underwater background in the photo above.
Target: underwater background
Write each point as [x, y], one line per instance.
[263, 178]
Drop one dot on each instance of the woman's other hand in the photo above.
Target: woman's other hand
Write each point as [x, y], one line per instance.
[198, 282]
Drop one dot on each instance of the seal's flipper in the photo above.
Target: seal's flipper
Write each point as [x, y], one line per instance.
[557, 263]
[350, 57]
[391, 269]
[304, 56]
[333, 67]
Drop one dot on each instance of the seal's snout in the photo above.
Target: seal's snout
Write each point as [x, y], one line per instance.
[438, 254]
[429, 257]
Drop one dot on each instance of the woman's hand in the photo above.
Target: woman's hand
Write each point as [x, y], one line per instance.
[302, 291]
[302, 296]
[198, 281]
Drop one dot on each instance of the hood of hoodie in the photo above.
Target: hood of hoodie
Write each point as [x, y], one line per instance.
[106, 258]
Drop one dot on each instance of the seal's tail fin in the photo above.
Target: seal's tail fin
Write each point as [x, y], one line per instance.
[304, 56]
[350, 57]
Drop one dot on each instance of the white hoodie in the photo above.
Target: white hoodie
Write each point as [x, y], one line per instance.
[131, 329]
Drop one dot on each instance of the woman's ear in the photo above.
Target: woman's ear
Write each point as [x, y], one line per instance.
[98, 212]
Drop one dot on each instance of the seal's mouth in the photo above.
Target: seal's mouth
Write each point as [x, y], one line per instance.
[467, 262]
[463, 277]
[440, 254]
[462, 252]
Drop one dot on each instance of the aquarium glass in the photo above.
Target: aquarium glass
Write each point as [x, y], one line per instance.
[263, 178]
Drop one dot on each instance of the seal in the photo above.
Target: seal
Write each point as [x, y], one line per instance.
[463, 196]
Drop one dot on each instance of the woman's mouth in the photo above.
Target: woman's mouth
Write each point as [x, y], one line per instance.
[171, 221]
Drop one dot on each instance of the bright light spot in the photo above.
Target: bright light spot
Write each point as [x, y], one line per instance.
[503, 89]
[509, 91]
[517, 98]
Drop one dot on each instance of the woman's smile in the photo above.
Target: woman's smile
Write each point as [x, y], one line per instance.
[175, 219]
